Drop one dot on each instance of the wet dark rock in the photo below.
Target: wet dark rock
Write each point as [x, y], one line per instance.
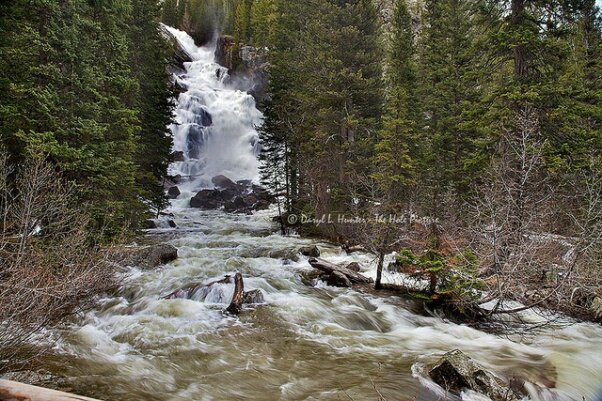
[149, 224]
[177, 86]
[354, 266]
[235, 205]
[172, 223]
[393, 267]
[203, 118]
[195, 140]
[337, 279]
[253, 297]
[456, 371]
[173, 193]
[145, 257]
[233, 197]
[312, 251]
[207, 199]
[223, 182]
[224, 51]
[177, 156]
[178, 56]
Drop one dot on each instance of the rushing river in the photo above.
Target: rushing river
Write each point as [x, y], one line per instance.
[306, 342]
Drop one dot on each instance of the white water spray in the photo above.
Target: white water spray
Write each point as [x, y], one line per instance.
[215, 123]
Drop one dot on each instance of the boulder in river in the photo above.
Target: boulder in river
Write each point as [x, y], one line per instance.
[241, 197]
[173, 193]
[312, 251]
[354, 266]
[253, 297]
[207, 199]
[224, 182]
[456, 372]
[147, 256]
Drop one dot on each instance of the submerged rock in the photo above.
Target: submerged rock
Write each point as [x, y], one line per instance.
[456, 372]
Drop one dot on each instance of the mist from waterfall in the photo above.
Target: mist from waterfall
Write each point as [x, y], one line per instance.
[215, 122]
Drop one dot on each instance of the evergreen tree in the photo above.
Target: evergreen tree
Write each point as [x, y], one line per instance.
[451, 84]
[397, 148]
[153, 145]
[170, 13]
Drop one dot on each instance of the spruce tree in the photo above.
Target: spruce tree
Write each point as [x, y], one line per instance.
[397, 146]
[451, 82]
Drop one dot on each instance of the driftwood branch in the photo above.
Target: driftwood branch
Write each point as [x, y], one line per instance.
[14, 391]
[238, 297]
[330, 268]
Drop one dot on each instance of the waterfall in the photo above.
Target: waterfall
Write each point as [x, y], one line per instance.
[215, 123]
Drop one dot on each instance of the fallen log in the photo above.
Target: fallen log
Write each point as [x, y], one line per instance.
[354, 248]
[238, 297]
[14, 391]
[329, 267]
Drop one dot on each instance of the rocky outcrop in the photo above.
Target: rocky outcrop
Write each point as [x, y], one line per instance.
[456, 372]
[224, 51]
[233, 197]
[179, 56]
[248, 69]
[178, 156]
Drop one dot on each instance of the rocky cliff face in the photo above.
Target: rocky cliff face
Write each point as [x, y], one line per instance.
[178, 56]
[248, 68]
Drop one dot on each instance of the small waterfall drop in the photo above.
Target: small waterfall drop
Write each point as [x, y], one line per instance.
[215, 123]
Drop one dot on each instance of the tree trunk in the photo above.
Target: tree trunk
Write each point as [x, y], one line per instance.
[379, 271]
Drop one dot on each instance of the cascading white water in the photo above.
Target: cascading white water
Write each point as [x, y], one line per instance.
[307, 342]
[215, 123]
